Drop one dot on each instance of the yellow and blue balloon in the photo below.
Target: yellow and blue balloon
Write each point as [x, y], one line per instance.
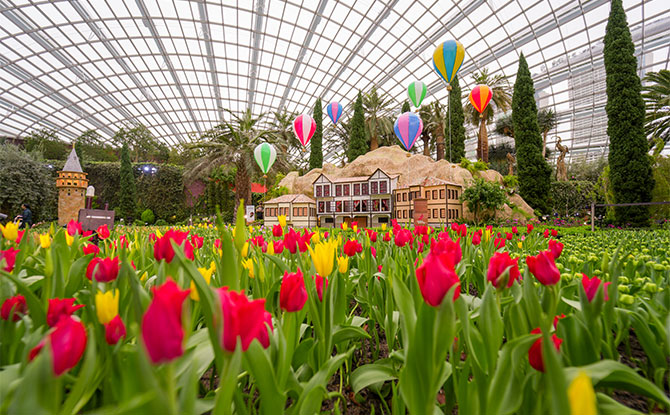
[447, 59]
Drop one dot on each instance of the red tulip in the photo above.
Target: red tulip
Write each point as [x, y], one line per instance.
[421, 230]
[277, 231]
[123, 241]
[436, 276]
[278, 246]
[499, 243]
[304, 240]
[259, 241]
[292, 294]
[461, 230]
[68, 342]
[544, 268]
[321, 284]
[243, 319]
[535, 352]
[162, 330]
[197, 241]
[454, 227]
[325, 235]
[291, 240]
[373, 251]
[217, 243]
[387, 237]
[19, 236]
[13, 308]
[477, 237]
[74, 227]
[498, 264]
[379, 268]
[446, 246]
[591, 286]
[372, 235]
[115, 330]
[352, 247]
[529, 228]
[515, 230]
[554, 233]
[509, 236]
[546, 233]
[489, 228]
[9, 256]
[104, 269]
[556, 248]
[402, 237]
[163, 246]
[59, 308]
[556, 318]
[90, 249]
[103, 231]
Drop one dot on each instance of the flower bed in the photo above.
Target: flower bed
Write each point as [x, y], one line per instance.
[251, 320]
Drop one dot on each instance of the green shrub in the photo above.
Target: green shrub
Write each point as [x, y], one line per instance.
[138, 222]
[148, 216]
[161, 222]
[570, 198]
[511, 181]
[484, 198]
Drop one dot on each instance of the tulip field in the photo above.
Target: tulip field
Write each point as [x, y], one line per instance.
[233, 319]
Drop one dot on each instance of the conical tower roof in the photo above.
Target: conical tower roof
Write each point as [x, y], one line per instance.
[72, 163]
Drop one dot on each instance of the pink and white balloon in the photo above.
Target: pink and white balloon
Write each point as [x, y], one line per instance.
[304, 127]
[408, 128]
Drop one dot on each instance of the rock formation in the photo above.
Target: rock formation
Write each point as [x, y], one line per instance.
[394, 160]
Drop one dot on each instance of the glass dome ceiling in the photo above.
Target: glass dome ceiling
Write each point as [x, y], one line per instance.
[174, 65]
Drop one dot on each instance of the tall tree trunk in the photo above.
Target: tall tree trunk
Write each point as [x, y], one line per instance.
[242, 185]
[484, 139]
[439, 143]
[426, 143]
[544, 143]
[374, 142]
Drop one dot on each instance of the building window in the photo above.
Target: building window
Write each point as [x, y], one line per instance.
[357, 189]
[451, 214]
[441, 193]
[411, 196]
[374, 189]
[434, 194]
[383, 220]
[442, 213]
[365, 189]
[457, 195]
[397, 197]
[322, 207]
[338, 190]
[375, 205]
[295, 211]
[345, 188]
[456, 213]
[357, 205]
[404, 197]
[304, 211]
[385, 204]
[404, 213]
[411, 213]
[347, 206]
[318, 191]
[326, 190]
[365, 206]
[329, 220]
[338, 206]
[434, 213]
[383, 187]
[428, 213]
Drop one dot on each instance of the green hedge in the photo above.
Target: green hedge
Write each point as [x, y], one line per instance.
[569, 198]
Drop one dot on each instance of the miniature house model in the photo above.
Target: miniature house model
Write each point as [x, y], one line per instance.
[71, 184]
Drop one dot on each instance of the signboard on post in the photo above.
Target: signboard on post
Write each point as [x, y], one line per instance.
[92, 218]
[250, 213]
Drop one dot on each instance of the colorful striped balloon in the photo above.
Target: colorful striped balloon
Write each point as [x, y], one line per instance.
[334, 110]
[480, 96]
[304, 127]
[265, 155]
[408, 128]
[417, 92]
[447, 59]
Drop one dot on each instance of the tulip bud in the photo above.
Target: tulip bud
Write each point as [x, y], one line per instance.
[626, 299]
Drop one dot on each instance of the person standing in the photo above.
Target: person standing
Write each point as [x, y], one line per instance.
[26, 217]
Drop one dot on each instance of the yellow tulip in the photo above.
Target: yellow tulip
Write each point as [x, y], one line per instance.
[282, 220]
[207, 275]
[45, 241]
[144, 276]
[271, 248]
[10, 231]
[69, 239]
[581, 395]
[519, 244]
[316, 237]
[343, 264]
[249, 266]
[245, 250]
[345, 226]
[158, 233]
[355, 228]
[106, 305]
[383, 227]
[487, 235]
[323, 256]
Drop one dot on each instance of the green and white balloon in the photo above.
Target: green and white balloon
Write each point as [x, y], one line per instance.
[416, 92]
[265, 155]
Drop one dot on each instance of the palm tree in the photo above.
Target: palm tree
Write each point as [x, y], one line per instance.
[504, 126]
[656, 95]
[547, 120]
[233, 143]
[501, 101]
[378, 120]
[436, 125]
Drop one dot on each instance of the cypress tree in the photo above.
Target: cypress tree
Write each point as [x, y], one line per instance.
[316, 152]
[534, 172]
[630, 167]
[457, 123]
[127, 184]
[405, 107]
[357, 142]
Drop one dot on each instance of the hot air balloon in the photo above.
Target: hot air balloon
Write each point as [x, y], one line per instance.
[480, 96]
[408, 128]
[304, 127]
[334, 110]
[417, 92]
[265, 155]
[447, 59]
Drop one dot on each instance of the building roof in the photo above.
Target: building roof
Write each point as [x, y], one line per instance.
[350, 179]
[291, 198]
[72, 164]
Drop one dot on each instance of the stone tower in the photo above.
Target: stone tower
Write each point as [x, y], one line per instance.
[71, 184]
